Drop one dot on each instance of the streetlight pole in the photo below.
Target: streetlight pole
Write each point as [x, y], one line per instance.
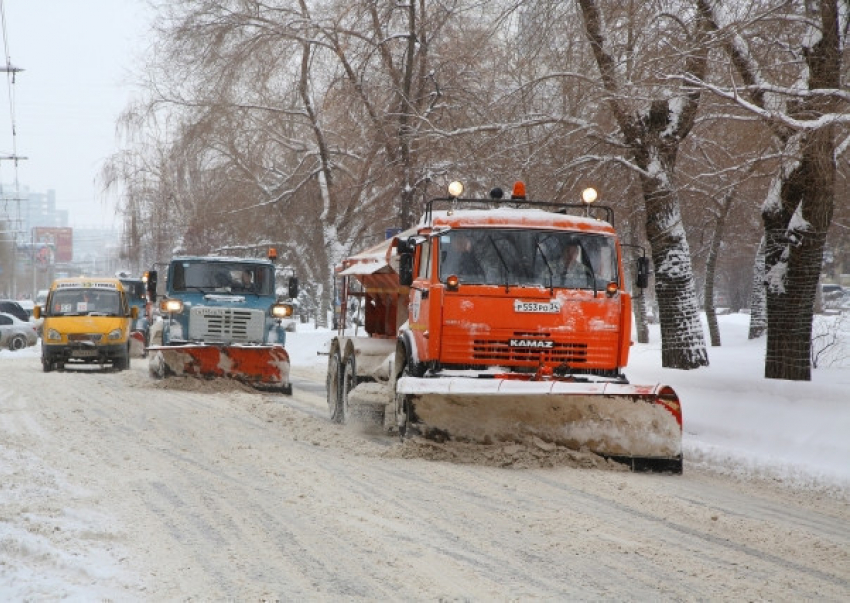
[15, 225]
[9, 68]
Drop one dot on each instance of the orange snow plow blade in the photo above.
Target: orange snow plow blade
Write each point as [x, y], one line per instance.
[637, 425]
[261, 366]
[137, 344]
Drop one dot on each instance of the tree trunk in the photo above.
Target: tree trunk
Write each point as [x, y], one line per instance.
[710, 264]
[325, 305]
[796, 226]
[758, 297]
[683, 341]
[796, 230]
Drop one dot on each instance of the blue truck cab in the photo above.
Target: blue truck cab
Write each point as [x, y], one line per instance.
[222, 301]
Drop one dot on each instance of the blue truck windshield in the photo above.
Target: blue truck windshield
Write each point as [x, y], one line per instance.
[136, 291]
[222, 277]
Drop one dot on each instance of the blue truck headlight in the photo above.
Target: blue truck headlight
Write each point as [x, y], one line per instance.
[282, 310]
[171, 306]
[53, 335]
[114, 334]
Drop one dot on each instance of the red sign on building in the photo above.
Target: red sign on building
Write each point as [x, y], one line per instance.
[60, 239]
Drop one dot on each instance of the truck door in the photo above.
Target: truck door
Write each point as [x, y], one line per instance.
[420, 301]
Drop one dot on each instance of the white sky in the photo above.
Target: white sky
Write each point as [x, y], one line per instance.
[78, 59]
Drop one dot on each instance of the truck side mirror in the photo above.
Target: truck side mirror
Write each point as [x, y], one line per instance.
[405, 269]
[293, 287]
[406, 245]
[151, 285]
[642, 272]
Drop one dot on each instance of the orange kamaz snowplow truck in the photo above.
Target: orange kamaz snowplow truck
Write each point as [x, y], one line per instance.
[501, 320]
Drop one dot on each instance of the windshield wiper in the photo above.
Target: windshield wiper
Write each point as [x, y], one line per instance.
[589, 266]
[501, 259]
[196, 288]
[548, 267]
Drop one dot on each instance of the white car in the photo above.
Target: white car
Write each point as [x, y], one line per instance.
[15, 333]
[834, 296]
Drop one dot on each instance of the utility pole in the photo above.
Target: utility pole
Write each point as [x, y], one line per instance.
[9, 68]
[14, 228]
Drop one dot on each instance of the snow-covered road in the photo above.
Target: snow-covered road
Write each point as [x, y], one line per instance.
[115, 486]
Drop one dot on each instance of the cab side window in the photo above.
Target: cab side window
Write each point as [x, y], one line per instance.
[424, 261]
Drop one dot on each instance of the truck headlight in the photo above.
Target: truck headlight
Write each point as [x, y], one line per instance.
[53, 335]
[282, 310]
[171, 306]
[114, 334]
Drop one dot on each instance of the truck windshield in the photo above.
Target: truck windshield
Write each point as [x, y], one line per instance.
[222, 277]
[135, 290]
[76, 302]
[533, 258]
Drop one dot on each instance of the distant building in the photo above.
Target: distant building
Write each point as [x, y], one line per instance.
[45, 245]
[26, 209]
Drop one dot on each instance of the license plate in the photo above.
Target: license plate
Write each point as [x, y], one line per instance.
[83, 353]
[550, 307]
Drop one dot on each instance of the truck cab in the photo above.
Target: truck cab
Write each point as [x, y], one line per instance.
[220, 301]
[519, 288]
[223, 317]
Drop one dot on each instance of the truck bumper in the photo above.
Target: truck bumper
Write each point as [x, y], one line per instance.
[84, 353]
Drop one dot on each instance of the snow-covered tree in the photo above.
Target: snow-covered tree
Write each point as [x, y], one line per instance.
[653, 119]
[788, 62]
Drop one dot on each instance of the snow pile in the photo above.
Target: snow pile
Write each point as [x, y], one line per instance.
[735, 421]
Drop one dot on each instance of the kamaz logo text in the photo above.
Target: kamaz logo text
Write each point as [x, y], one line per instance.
[531, 343]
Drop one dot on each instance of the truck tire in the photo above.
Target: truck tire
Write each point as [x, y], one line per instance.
[404, 414]
[402, 402]
[122, 363]
[333, 385]
[349, 382]
[46, 365]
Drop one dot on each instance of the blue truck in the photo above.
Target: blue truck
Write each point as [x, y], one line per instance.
[223, 317]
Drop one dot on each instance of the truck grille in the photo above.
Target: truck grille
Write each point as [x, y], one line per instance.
[501, 351]
[226, 325]
[92, 337]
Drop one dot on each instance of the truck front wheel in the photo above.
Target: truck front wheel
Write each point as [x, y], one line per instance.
[122, 362]
[333, 385]
[349, 382]
[402, 401]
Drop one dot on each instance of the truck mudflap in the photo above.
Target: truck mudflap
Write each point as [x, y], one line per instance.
[263, 366]
[637, 425]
